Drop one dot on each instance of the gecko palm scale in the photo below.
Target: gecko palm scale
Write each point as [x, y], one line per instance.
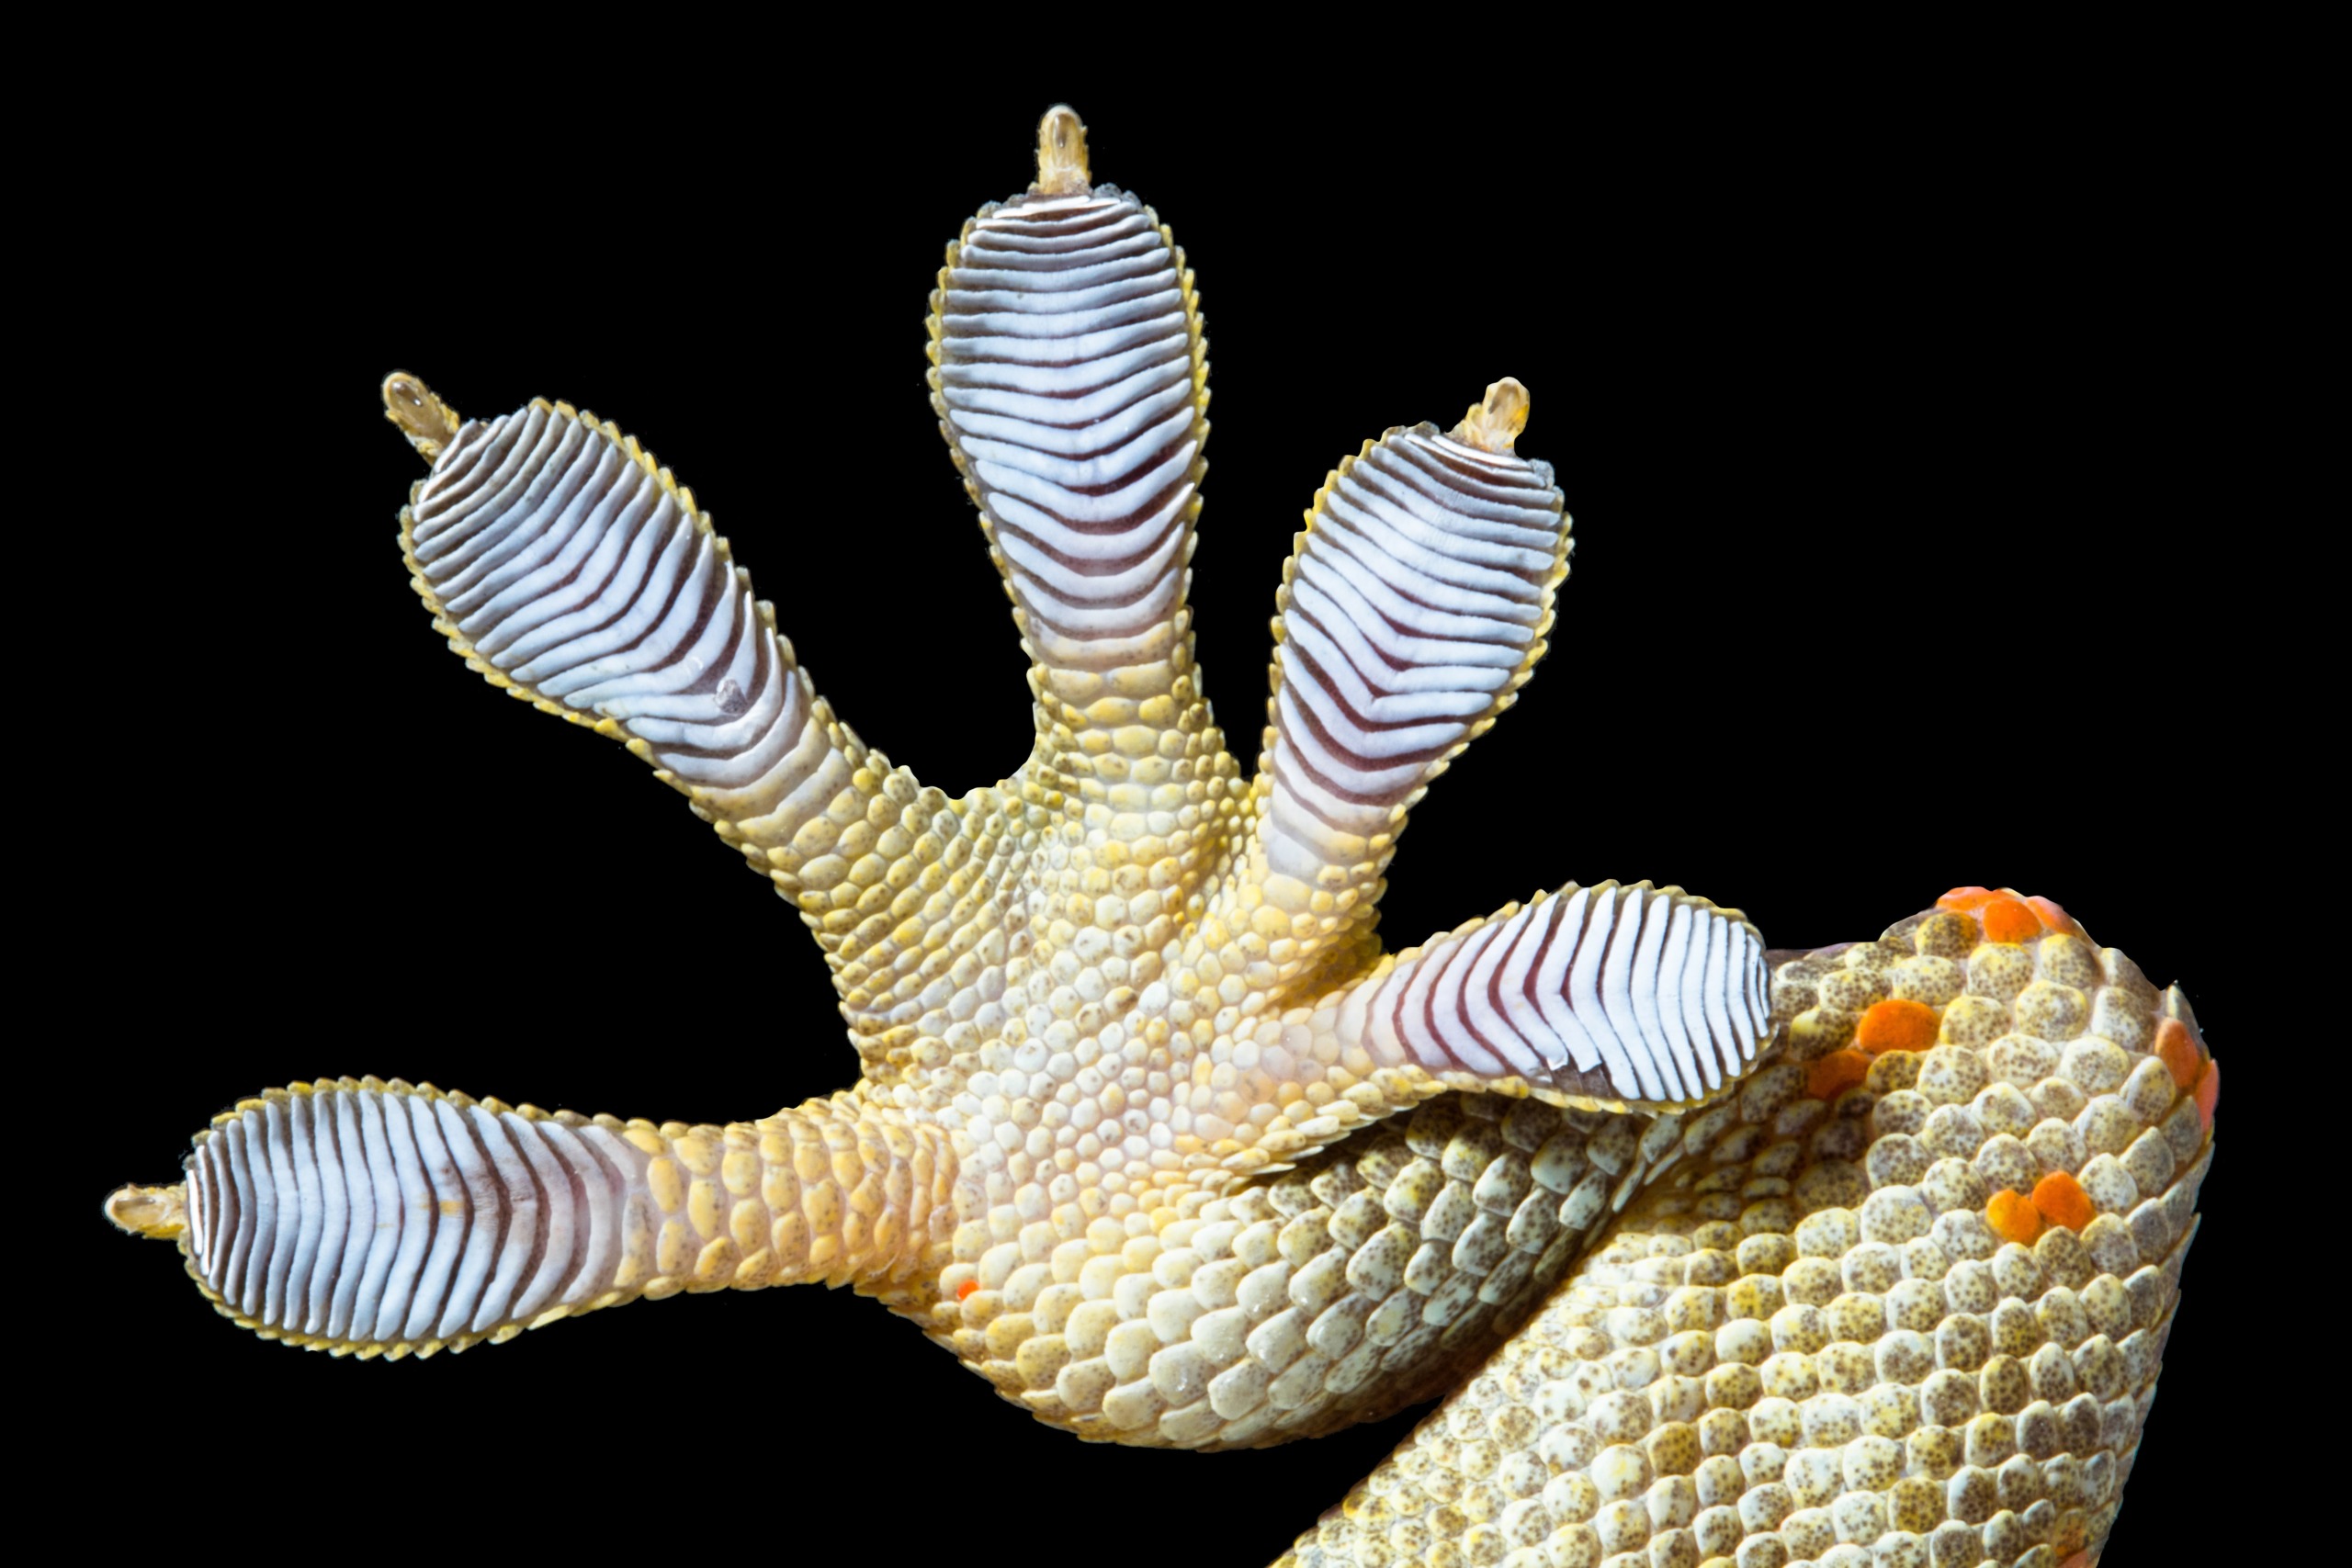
[1716, 1256]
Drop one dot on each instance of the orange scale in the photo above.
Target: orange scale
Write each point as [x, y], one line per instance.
[2009, 920]
[967, 1288]
[1897, 1024]
[2177, 1049]
[2013, 1217]
[2056, 919]
[1835, 1073]
[2209, 1093]
[1965, 899]
[2063, 1202]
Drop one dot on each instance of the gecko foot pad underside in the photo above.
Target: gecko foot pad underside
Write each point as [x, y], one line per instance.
[1714, 1255]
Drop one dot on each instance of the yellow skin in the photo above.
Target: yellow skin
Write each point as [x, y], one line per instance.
[1021, 1263]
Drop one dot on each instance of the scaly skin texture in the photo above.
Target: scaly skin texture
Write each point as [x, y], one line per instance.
[1122, 1147]
[1821, 1334]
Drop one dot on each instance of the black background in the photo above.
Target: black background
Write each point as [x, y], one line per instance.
[1914, 548]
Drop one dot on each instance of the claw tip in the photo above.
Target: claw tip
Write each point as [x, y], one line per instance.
[1495, 422]
[159, 1212]
[1061, 155]
[424, 419]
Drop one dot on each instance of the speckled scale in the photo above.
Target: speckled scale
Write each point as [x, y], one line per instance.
[1359, 1282]
[1737, 1372]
